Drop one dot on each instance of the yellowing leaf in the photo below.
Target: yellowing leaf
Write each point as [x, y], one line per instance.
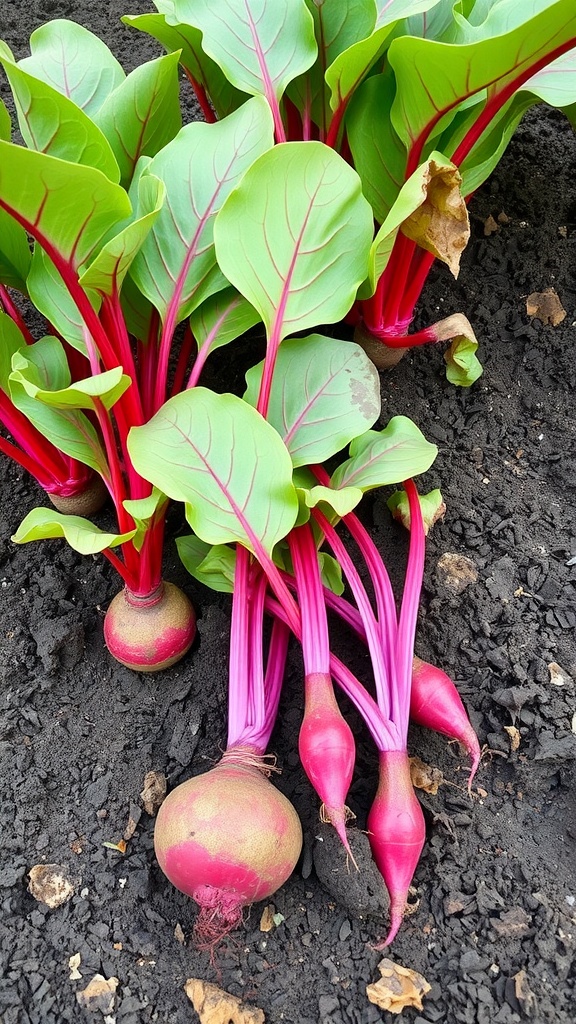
[441, 225]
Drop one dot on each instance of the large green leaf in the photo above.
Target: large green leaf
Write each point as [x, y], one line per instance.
[389, 456]
[52, 298]
[52, 124]
[15, 253]
[143, 114]
[75, 62]
[556, 83]
[220, 457]
[36, 190]
[107, 271]
[176, 268]
[224, 97]
[81, 534]
[434, 77]
[294, 236]
[260, 46]
[324, 393]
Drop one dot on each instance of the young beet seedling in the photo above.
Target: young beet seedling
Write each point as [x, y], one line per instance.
[114, 270]
[343, 72]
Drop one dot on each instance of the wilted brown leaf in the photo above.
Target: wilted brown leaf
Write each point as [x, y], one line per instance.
[154, 792]
[425, 777]
[440, 225]
[99, 994]
[546, 306]
[397, 988]
[557, 674]
[50, 884]
[215, 1006]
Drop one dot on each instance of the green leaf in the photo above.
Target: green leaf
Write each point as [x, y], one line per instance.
[138, 312]
[144, 511]
[331, 573]
[5, 123]
[52, 298]
[5, 51]
[506, 45]
[294, 236]
[379, 155]
[105, 388]
[143, 114]
[221, 319]
[213, 565]
[220, 457]
[260, 46]
[224, 97]
[324, 393]
[462, 364]
[107, 271]
[81, 534]
[75, 62]
[36, 189]
[52, 124]
[15, 253]
[38, 369]
[11, 340]
[351, 66]
[388, 456]
[176, 268]
[337, 25]
[340, 500]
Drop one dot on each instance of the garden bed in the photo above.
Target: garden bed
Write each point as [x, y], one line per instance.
[494, 924]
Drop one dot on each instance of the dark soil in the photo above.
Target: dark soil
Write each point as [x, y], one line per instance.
[494, 922]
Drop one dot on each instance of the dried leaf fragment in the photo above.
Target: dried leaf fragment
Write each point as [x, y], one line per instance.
[215, 1006]
[267, 919]
[490, 226]
[424, 776]
[73, 965]
[557, 674]
[154, 791]
[546, 306]
[524, 994]
[99, 994]
[441, 225]
[50, 884]
[397, 988]
[514, 735]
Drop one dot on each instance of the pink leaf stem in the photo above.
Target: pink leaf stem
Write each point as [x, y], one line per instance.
[409, 607]
[13, 312]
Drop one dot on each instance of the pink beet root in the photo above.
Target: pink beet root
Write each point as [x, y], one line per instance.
[227, 839]
[150, 633]
[436, 704]
[327, 751]
[396, 832]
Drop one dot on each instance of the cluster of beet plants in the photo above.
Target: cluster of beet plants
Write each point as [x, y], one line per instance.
[420, 96]
[326, 177]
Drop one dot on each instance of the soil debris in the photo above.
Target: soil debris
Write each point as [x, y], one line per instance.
[425, 776]
[398, 987]
[74, 962]
[215, 1006]
[456, 571]
[51, 884]
[546, 306]
[99, 994]
[155, 788]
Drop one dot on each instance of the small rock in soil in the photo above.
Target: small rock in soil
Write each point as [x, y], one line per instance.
[51, 884]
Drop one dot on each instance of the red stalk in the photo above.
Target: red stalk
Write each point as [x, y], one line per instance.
[202, 97]
[13, 312]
